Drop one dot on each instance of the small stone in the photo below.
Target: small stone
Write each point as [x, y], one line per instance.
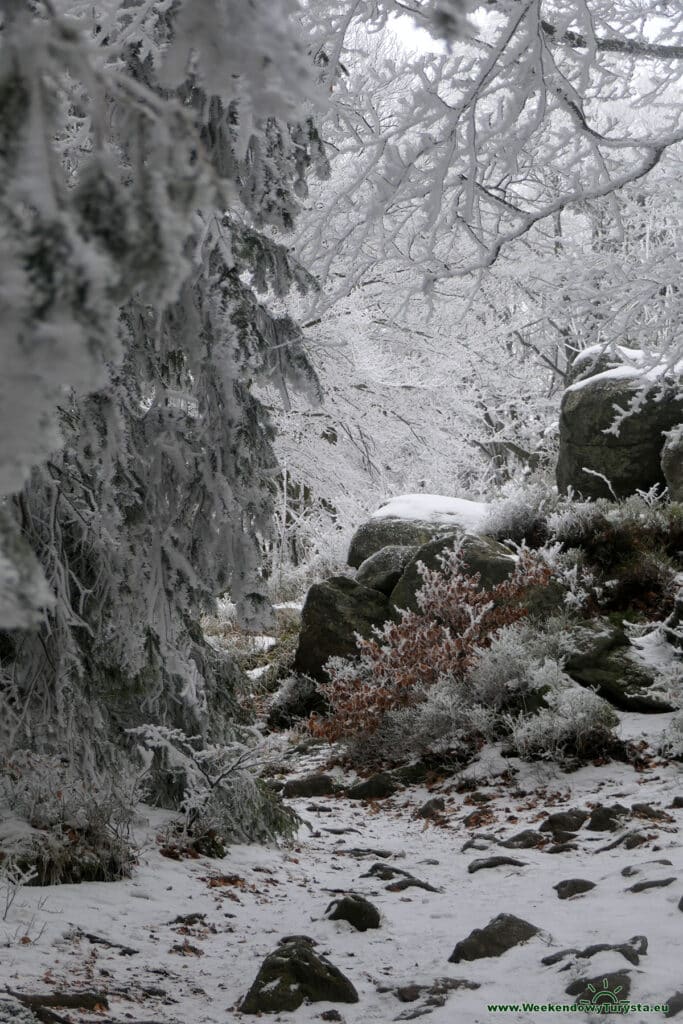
[631, 951]
[564, 821]
[377, 787]
[643, 810]
[675, 1004]
[680, 904]
[310, 785]
[573, 887]
[635, 869]
[494, 862]
[606, 819]
[431, 808]
[355, 909]
[677, 802]
[562, 848]
[655, 883]
[630, 841]
[526, 840]
[500, 934]
[405, 880]
[603, 990]
[634, 839]
[409, 993]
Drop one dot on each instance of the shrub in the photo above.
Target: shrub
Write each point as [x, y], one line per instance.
[622, 552]
[576, 724]
[221, 798]
[79, 831]
[671, 740]
[403, 661]
[521, 515]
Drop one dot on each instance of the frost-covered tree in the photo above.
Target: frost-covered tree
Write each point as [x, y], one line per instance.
[153, 154]
[494, 208]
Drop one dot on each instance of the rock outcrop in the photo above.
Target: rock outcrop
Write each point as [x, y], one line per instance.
[334, 612]
[597, 464]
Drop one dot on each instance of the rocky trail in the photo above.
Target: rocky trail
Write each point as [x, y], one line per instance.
[508, 883]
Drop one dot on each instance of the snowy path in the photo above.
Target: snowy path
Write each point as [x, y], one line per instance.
[198, 971]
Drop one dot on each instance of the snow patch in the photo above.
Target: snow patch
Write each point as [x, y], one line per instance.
[436, 508]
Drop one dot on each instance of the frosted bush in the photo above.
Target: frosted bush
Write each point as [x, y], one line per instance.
[575, 520]
[671, 740]
[444, 723]
[521, 659]
[577, 723]
[221, 795]
[81, 830]
[521, 514]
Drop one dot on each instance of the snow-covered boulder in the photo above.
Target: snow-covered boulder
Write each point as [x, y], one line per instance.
[413, 519]
[595, 461]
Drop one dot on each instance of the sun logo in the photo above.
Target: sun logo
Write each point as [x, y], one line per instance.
[604, 995]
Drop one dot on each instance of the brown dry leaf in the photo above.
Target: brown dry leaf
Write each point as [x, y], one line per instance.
[219, 881]
[186, 949]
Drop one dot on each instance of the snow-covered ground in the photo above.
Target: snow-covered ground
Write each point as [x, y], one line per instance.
[196, 972]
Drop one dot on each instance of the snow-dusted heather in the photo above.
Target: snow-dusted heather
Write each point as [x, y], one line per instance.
[436, 508]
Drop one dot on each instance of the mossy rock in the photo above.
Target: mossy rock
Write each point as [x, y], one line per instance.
[383, 570]
[334, 612]
[293, 973]
[492, 560]
[390, 531]
[616, 677]
[629, 460]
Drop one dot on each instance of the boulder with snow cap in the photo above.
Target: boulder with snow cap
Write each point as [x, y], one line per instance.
[596, 461]
[414, 519]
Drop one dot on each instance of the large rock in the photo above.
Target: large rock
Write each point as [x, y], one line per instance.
[383, 570]
[619, 679]
[294, 972]
[672, 462]
[389, 531]
[355, 909]
[500, 934]
[493, 561]
[630, 460]
[334, 611]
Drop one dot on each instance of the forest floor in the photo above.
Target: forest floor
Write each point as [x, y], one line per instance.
[197, 930]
